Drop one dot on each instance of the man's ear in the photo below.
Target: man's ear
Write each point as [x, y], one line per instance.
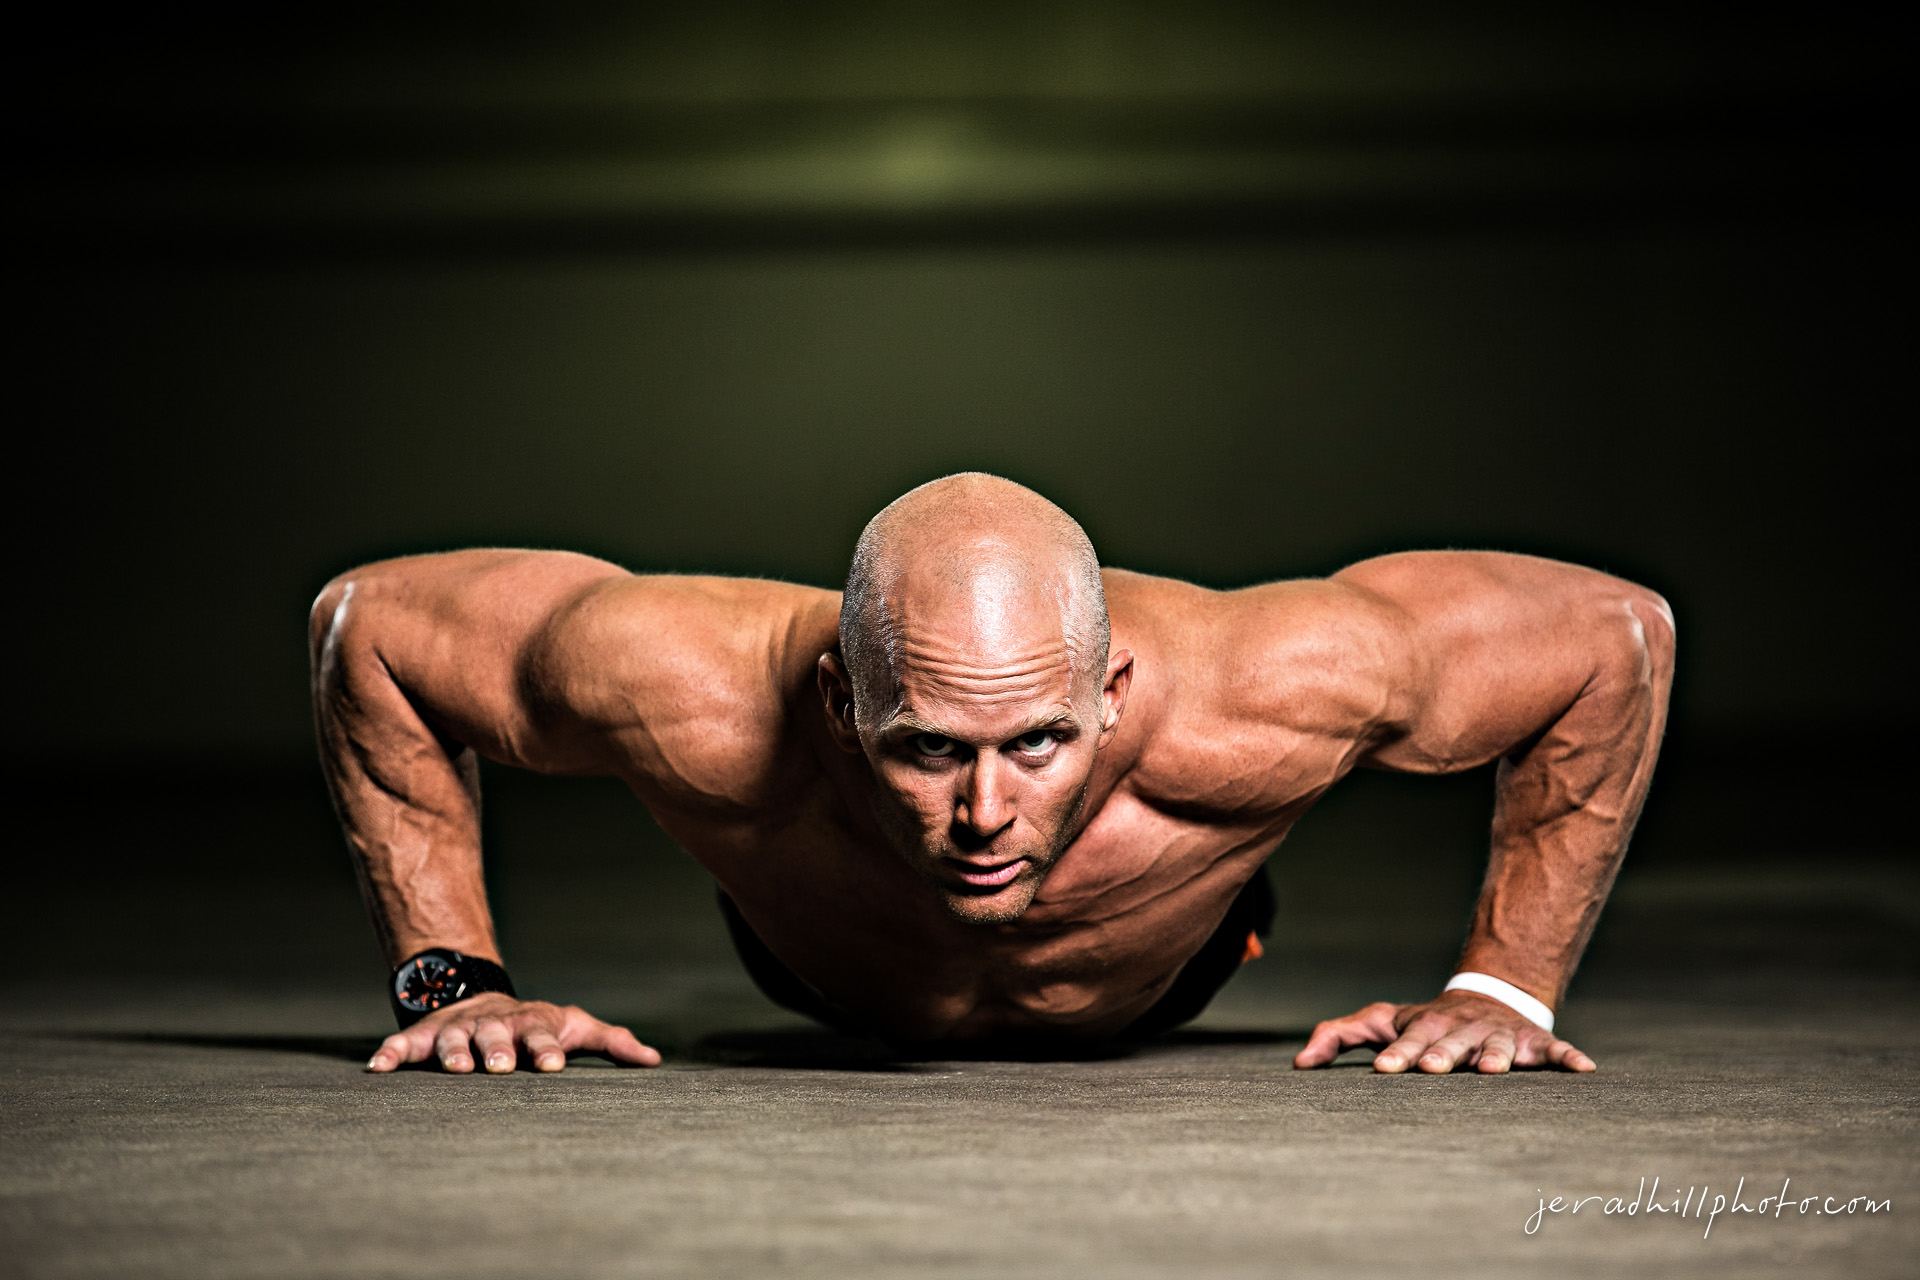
[836, 692]
[1113, 696]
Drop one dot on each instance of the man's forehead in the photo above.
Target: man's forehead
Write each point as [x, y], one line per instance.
[985, 718]
[975, 639]
[980, 642]
[987, 611]
[996, 677]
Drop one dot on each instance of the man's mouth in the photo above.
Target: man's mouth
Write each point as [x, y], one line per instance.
[987, 877]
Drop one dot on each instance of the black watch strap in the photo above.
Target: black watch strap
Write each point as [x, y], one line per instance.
[437, 977]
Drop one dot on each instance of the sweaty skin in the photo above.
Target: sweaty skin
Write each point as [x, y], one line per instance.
[1000, 837]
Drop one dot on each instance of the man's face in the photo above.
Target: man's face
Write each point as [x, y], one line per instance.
[983, 748]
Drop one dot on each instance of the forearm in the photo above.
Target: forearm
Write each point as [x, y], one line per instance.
[1565, 809]
[416, 853]
[409, 806]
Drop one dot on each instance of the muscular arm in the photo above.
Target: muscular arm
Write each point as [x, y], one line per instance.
[552, 662]
[419, 667]
[1562, 675]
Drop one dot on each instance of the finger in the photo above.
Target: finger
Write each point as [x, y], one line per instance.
[545, 1050]
[453, 1047]
[1561, 1054]
[584, 1032]
[1496, 1055]
[1451, 1049]
[1413, 1042]
[398, 1048]
[493, 1045]
[623, 1046]
[1371, 1025]
[1323, 1046]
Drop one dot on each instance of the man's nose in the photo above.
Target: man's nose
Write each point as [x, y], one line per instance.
[986, 802]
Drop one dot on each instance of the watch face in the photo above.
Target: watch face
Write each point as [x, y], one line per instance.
[430, 982]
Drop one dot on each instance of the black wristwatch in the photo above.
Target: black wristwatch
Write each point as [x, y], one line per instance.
[436, 978]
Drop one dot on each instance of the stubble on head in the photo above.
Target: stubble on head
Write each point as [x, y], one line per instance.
[974, 635]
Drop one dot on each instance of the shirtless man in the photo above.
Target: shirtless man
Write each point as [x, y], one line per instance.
[993, 793]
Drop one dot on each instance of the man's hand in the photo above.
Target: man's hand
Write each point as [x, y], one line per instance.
[498, 1029]
[1460, 1029]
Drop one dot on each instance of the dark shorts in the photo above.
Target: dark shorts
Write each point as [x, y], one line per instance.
[1198, 982]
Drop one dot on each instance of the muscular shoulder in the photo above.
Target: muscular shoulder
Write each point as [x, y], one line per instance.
[693, 679]
[1256, 697]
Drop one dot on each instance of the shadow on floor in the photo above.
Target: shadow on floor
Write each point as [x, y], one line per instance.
[354, 1049]
[797, 1049]
[787, 1048]
[1198, 1036]
[345, 1048]
[820, 1049]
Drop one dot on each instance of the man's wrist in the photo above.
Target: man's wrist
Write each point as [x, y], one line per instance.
[1485, 984]
[437, 977]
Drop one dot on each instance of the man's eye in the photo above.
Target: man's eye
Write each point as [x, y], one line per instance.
[932, 744]
[1039, 740]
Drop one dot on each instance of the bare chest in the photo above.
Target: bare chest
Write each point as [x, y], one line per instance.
[1117, 917]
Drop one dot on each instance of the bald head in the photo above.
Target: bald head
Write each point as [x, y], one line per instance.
[969, 563]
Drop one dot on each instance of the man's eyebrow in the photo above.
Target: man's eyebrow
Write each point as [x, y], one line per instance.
[907, 722]
[1044, 722]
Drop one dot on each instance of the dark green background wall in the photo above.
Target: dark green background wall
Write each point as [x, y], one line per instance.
[1252, 292]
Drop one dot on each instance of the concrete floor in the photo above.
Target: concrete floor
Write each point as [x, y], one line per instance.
[185, 1118]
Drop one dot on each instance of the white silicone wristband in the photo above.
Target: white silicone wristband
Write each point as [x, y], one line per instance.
[1506, 993]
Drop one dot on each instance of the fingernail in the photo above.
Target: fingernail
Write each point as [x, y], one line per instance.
[374, 1061]
[499, 1060]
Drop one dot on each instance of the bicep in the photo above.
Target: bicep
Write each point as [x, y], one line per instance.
[1496, 648]
[680, 684]
[447, 639]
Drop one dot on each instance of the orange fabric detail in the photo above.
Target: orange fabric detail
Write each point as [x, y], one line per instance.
[1254, 950]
